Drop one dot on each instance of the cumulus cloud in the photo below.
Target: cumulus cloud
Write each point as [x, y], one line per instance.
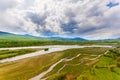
[91, 19]
[6, 4]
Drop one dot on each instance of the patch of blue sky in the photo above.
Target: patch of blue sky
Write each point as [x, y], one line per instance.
[112, 4]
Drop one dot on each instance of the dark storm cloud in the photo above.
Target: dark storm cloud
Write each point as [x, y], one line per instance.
[69, 27]
[36, 18]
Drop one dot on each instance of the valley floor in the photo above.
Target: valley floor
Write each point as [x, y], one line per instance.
[85, 63]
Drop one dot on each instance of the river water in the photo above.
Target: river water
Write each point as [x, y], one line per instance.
[52, 48]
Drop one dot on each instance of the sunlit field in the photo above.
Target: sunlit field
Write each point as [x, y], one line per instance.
[80, 64]
[11, 53]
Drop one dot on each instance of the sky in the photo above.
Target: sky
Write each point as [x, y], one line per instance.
[89, 19]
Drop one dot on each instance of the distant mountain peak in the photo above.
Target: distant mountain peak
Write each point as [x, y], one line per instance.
[52, 38]
[68, 39]
[3, 33]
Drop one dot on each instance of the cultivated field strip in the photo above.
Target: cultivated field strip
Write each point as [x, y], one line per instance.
[39, 77]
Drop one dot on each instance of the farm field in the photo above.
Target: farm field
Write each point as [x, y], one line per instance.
[76, 64]
[12, 53]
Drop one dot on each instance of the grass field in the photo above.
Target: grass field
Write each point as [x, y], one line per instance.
[83, 67]
[27, 68]
[107, 67]
[12, 41]
[73, 68]
[11, 53]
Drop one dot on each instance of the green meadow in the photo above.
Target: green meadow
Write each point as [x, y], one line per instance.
[11, 53]
[19, 41]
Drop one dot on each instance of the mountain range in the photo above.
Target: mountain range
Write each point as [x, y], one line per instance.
[6, 35]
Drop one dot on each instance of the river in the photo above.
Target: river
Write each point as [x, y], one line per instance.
[52, 48]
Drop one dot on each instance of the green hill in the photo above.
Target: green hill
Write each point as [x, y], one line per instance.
[14, 40]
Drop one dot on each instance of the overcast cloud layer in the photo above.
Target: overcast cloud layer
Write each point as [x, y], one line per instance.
[91, 19]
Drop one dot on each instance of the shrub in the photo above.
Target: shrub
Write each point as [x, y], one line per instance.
[46, 49]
